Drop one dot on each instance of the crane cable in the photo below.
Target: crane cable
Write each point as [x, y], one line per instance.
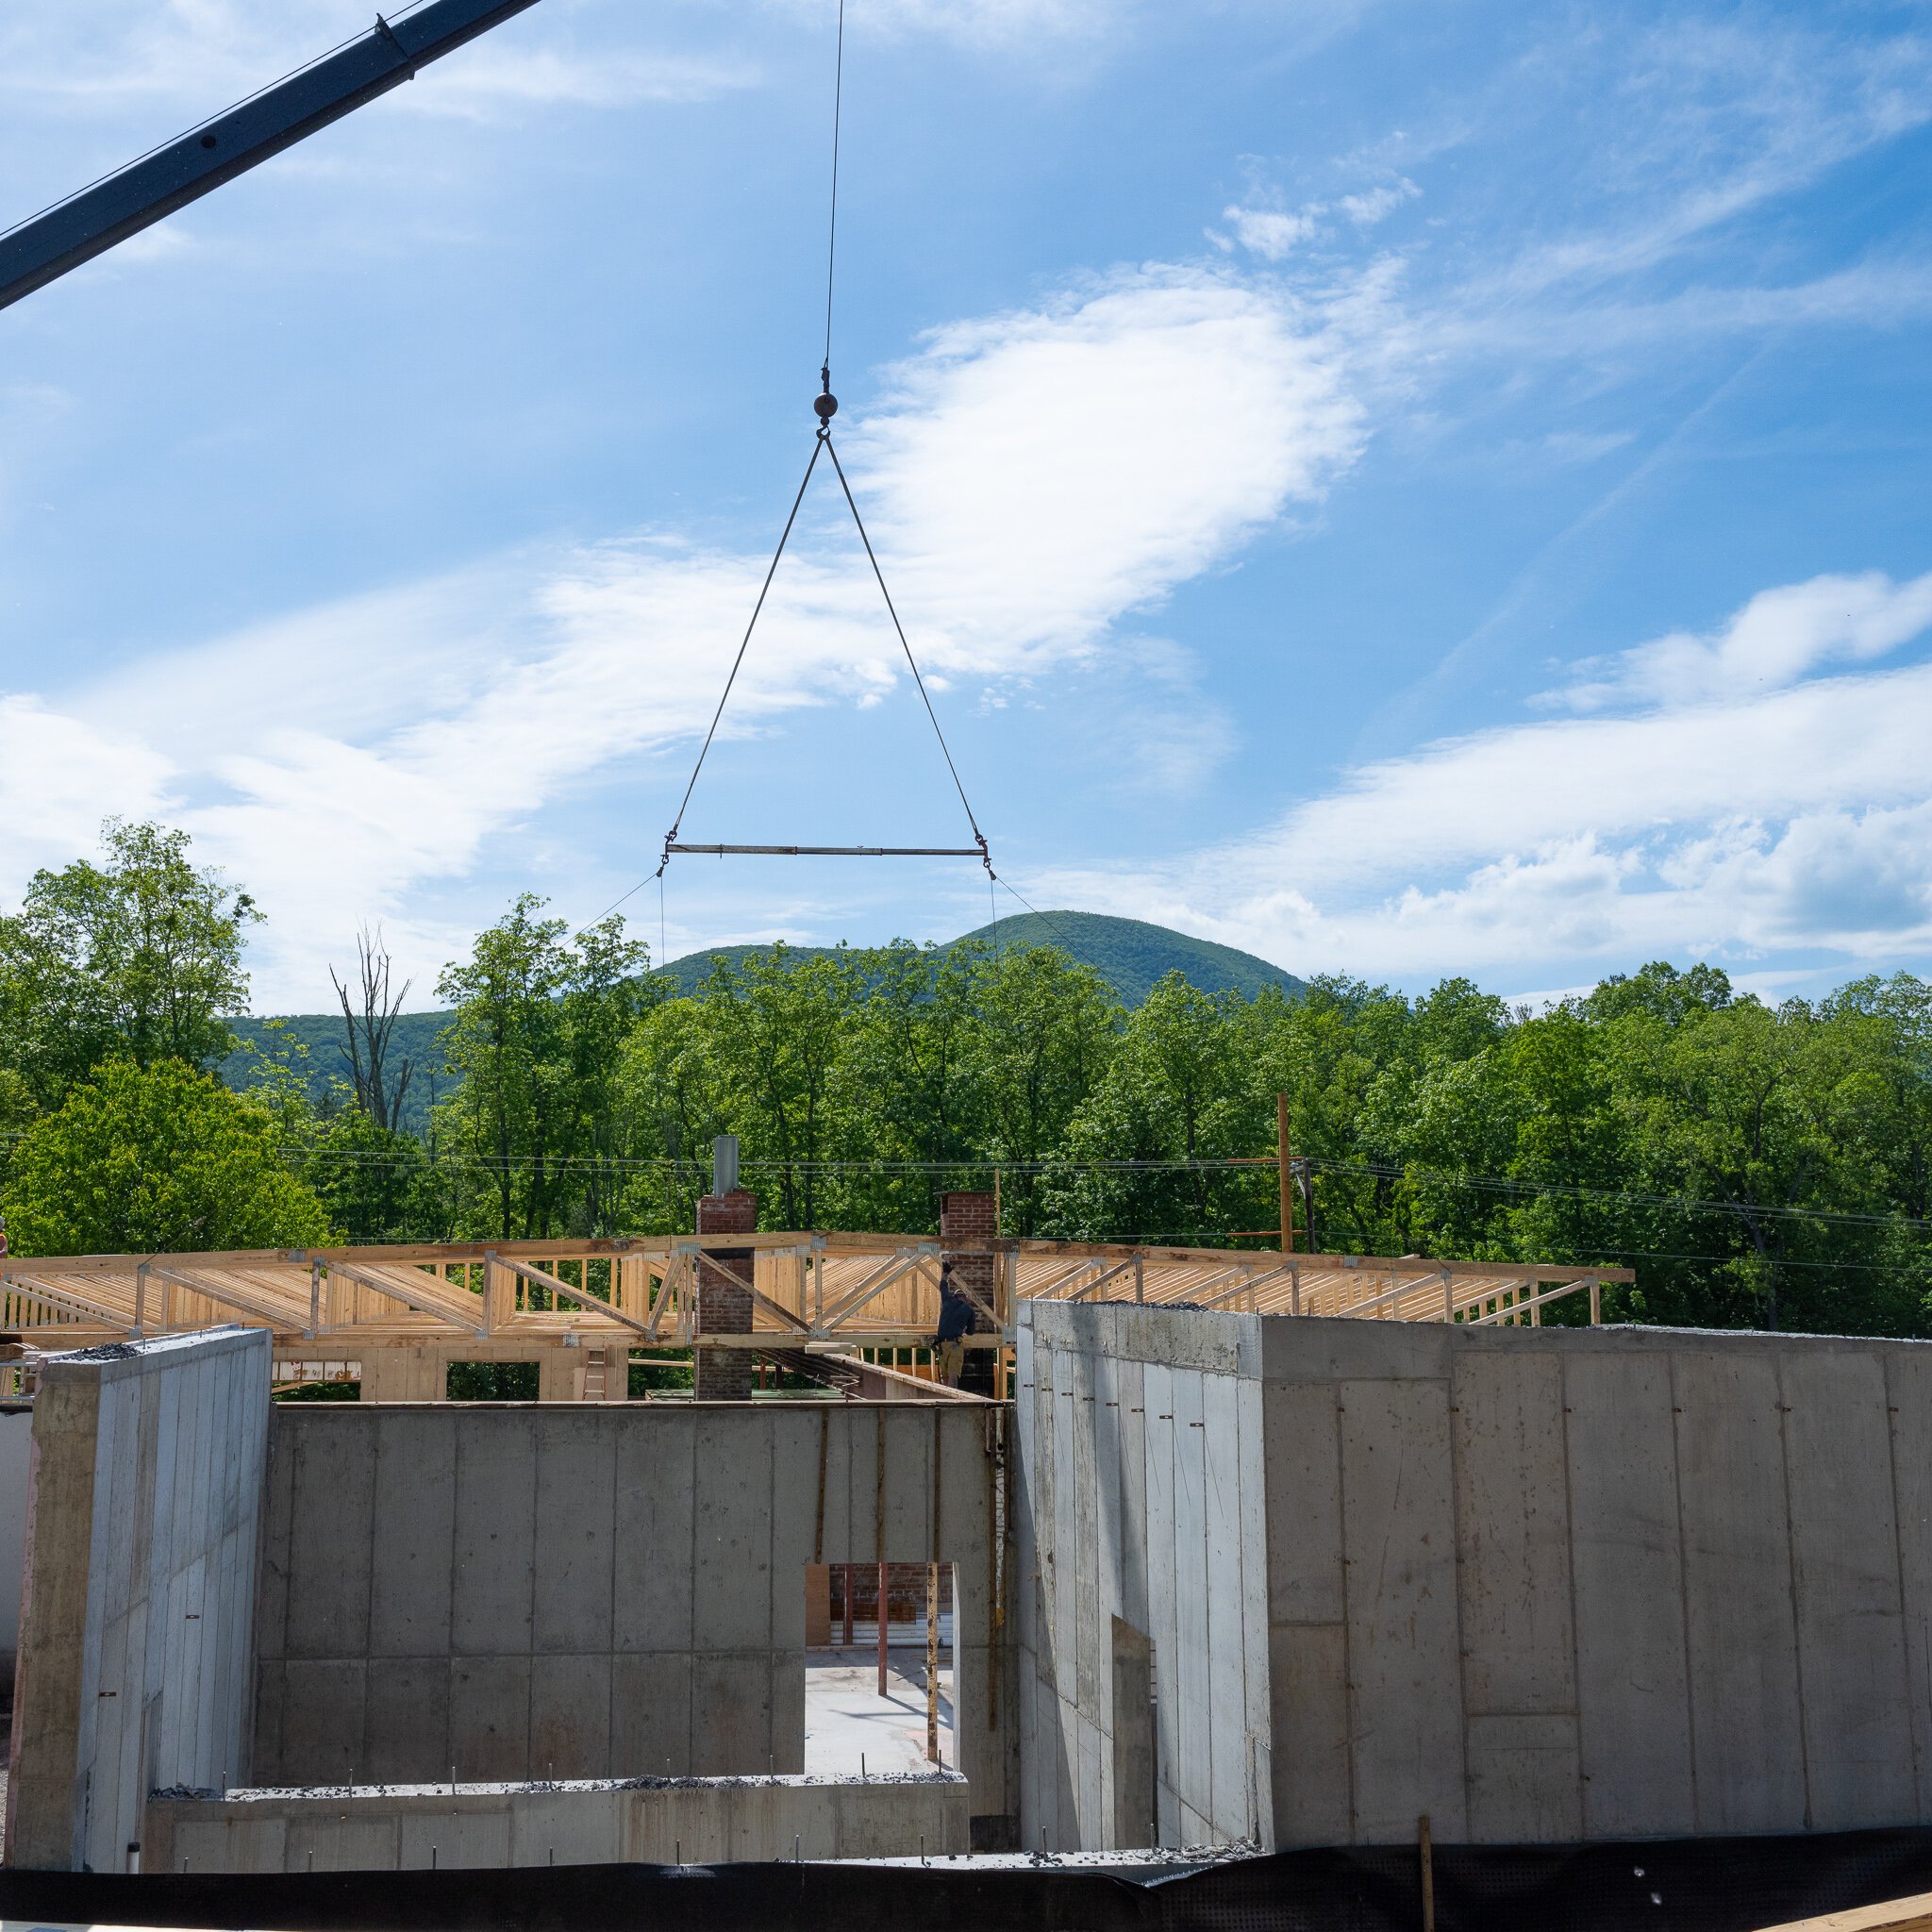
[825, 406]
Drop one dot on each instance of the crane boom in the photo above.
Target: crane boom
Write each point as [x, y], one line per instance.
[35, 252]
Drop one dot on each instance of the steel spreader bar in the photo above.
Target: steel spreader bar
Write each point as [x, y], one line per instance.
[835, 851]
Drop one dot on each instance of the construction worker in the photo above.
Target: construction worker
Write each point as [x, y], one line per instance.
[955, 1320]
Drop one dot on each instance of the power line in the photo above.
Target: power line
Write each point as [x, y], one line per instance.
[1073, 1166]
[1624, 1197]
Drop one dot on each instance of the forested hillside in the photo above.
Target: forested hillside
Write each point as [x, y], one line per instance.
[1757, 1165]
[1128, 954]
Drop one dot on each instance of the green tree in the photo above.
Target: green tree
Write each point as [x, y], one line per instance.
[911, 1080]
[373, 1183]
[671, 1091]
[1340, 1052]
[536, 1042]
[152, 1159]
[137, 958]
[1048, 1027]
[777, 1030]
[1180, 1094]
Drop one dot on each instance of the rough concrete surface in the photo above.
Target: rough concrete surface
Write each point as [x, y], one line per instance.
[657, 1821]
[523, 1592]
[1541, 1584]
[137, 1640]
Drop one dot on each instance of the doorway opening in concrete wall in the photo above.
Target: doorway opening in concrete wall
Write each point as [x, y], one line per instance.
[492, 1382]
[873, 1707]
[1136, 1772]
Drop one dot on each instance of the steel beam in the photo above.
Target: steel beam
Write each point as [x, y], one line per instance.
[38, 250]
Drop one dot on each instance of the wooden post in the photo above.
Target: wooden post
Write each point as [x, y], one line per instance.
[1426, 1849]
[932, 1663]
[1596, 1303]
[1286, 1171]
[879, 1531]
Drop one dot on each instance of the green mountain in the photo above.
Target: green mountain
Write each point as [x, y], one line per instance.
[1130, 955]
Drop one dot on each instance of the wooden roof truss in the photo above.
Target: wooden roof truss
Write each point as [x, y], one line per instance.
[829, 1291]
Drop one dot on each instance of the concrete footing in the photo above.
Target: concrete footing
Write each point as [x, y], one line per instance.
[654, 1821]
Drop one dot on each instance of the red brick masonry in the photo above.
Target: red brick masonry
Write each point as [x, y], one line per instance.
[724, 1375]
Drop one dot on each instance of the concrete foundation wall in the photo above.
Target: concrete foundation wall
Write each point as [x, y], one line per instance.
[137, 1612]
[525, 1592]
[16, 1445]
[1140, 1503]
[1561, 1584]
[1543, 1585]
[696, 1821]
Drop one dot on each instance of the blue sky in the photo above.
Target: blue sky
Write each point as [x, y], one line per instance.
[1404, 490]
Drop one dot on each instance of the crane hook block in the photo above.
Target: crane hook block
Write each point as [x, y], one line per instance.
[825, 406]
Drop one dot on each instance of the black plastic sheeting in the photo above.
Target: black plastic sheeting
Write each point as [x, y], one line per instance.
[1679, 1885]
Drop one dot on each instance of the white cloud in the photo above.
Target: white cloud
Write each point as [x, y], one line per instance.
[1030, 479]
[1774, 640]
[1729, 817]
[1377, 204]
[1273, 233]
[60, 777]
[1038, 474]
[1695, 125]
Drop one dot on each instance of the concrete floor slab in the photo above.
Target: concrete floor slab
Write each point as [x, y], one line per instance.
[845, 1718]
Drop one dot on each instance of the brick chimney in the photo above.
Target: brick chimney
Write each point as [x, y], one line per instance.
[972, 1218]
[724, 1375]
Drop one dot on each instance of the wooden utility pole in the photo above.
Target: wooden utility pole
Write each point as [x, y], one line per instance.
[1282, 1161]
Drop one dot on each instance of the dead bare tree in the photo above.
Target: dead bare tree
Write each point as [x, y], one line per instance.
[379, 1089]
